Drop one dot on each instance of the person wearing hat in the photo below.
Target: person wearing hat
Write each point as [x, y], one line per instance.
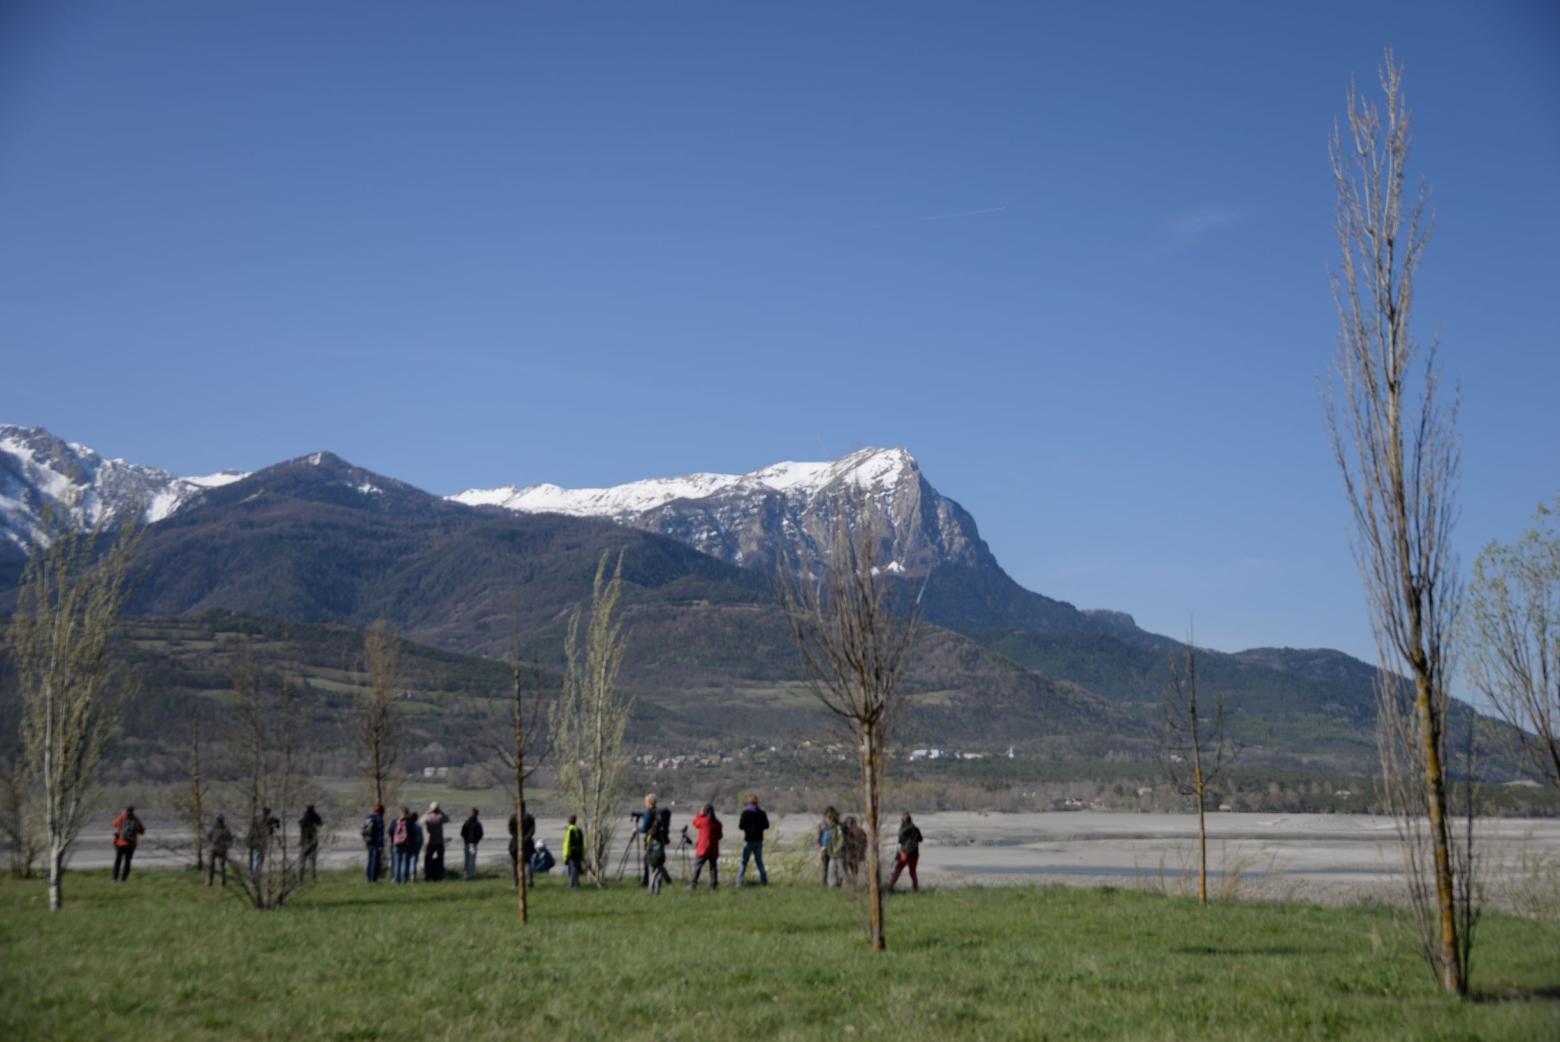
[433, 824]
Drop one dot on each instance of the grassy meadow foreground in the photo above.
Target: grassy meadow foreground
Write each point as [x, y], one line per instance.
[162, 956]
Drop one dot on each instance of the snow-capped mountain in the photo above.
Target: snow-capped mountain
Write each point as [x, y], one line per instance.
[747, 518]
[38, 470]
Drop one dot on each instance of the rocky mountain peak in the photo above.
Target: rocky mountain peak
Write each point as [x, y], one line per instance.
[39, 471]
[788, 509]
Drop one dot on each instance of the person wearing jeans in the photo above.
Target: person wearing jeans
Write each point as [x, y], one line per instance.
[573, 852]
[909, 853]
[127, 830]
[374, 840]
[470, 836]
[402, 856]
[753, 824]
[707, 850]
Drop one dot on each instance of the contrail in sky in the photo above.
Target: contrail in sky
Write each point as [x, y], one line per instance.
[937, 217]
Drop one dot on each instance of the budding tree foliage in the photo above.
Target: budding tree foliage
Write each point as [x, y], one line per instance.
[1514, 637]
[592, 716]
[1395, 440]
[72, 593]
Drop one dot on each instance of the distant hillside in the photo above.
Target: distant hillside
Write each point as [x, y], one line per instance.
[317, 540]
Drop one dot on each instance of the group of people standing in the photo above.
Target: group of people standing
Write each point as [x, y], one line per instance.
[263, 829]
[842, 847]
[414, 838]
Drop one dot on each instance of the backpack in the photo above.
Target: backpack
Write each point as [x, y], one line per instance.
[402, 832]
[656, 855]
[127, 831]
[368, 829]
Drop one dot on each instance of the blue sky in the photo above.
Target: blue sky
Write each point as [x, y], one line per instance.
[1074, 259]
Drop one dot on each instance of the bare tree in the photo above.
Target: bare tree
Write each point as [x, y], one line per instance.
[379, 729]
[1399, 459]
[68, 604]
[1514, 637]
[513, 740]
[854, 647]
[18, 825]
[592, 717]
[191, 801]
[271, 764]
[1196, 749]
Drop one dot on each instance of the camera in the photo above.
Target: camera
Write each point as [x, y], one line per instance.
[637, 815]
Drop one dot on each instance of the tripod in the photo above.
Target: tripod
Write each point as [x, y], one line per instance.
[685, 846]
[628, 848]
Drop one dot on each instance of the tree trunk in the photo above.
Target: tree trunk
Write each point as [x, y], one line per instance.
[869, 766]
[1452, 977]
[1202, 839]
[56, 874]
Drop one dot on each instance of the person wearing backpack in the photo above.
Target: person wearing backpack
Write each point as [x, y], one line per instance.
[127, 830]
[401, 847]
[309, 843]
[470, 836]
[837, 844]
[707, 850]
[909, 854]
[752, 824]
[374, 841]
[655, 862]
[573, 851]
[219, 840]
[433, 824]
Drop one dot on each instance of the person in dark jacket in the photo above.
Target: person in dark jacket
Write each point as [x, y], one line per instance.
[433, 824]
[415, 852]
[374, 841]
[309, 843]
[655, 863]
[752, 824]
[707, 850]
[646, 826]
[127, 832]
[261, 829]
[909, 853]
[219, 840]
[470, 836]
[573, 852]
[522, 847]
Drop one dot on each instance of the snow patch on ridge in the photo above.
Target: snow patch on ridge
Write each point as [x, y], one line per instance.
[867, 469]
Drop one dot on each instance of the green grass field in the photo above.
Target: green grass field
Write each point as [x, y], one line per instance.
[164, 958]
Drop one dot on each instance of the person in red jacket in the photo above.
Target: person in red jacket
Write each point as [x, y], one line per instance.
[707, 850]
[127, 829]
